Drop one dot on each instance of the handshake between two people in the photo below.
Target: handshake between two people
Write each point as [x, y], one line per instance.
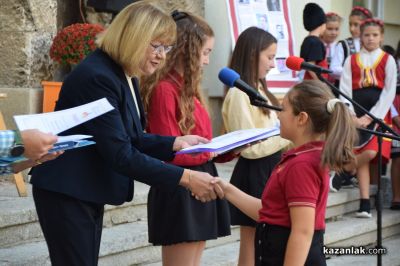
[203, 186]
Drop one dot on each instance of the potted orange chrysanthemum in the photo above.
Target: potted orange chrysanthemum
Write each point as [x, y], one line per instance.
[70, 46]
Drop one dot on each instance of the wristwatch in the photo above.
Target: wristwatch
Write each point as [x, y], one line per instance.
[18, 148]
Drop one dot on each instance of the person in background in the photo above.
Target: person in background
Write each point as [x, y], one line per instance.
[368, 79]
[291, 213]
[313, 49]
[175, 106]
[329, 36]
[395, 155]
[395, 152]
[344, 48]
[25, 149]
[350, 45]
[252, 58]
[70, 192]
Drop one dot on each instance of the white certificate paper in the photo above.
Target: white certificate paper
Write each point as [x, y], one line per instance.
[59, 121]
[233, 140]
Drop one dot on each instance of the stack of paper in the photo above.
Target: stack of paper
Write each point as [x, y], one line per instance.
[233, 140]
[59, 121]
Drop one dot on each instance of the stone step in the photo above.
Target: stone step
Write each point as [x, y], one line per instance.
[345, 201]
[350, 230]
[391, 258]
[19, 224]
[227, 255]
[123, 244]
[223, 255]
[126, 244]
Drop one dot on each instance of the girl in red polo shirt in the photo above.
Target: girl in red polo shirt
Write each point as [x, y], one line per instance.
[291, 212]
[369, 78]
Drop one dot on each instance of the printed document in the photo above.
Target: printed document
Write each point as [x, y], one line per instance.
[232, 140]
[59, 121]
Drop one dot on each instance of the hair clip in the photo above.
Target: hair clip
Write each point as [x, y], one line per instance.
[176, 15]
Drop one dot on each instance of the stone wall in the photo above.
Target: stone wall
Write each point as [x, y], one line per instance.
[27, 28]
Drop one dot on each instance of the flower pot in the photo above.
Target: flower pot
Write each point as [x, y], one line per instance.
[51, 89]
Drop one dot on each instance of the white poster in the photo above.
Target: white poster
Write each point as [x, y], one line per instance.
[272, 16]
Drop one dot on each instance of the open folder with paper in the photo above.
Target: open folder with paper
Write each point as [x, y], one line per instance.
[59, 121]
[232, 140]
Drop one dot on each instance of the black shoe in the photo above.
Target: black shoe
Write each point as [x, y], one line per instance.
[365, 209]
[395, 206]
[335, 181]
[348, 180]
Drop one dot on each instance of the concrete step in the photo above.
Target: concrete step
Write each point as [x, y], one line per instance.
[227, 255]
[391, 258]
[127, 244]
[223, 255]
[18, 219]
[124, 239]
[352, 231]
[19, 222]
[345, 201]
[123, 244]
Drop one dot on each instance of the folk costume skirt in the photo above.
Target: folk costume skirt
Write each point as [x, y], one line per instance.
[367, 98]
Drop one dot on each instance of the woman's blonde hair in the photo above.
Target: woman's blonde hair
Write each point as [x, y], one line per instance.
[128, 37]
[312, 97]
[193, 32]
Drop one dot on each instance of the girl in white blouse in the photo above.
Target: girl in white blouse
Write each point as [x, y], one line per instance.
[369, 79]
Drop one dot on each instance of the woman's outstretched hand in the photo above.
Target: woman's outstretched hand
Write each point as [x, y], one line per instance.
[182, 142]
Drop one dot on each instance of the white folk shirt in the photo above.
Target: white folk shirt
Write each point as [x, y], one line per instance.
[388, 93]
[338, 58]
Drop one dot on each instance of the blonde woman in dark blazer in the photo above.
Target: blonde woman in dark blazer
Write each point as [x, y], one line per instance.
[70, 192]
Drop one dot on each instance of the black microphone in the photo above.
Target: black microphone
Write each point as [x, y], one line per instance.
[232, 79]
[297, 64]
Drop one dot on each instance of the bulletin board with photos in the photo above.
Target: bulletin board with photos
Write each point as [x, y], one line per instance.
[274, 17]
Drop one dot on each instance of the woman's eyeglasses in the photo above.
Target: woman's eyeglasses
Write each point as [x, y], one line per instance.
[176, 15]
[159, 48]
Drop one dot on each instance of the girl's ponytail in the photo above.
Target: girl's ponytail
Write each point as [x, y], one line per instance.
[328, 116]
[340, 136]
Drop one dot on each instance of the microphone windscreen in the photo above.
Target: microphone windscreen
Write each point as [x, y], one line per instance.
[294, 63]
[228, 76]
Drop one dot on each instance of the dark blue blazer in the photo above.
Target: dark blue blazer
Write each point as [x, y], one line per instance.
[103, 173]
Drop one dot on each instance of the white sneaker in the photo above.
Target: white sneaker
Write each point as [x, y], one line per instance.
[363, 214]
[334, 182]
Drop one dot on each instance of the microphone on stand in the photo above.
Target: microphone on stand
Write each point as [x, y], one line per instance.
[297, 64]
[232, 79]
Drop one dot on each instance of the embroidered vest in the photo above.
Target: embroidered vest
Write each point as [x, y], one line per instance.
[368, 76]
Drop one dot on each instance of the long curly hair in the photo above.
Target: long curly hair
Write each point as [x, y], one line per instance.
[192, 33]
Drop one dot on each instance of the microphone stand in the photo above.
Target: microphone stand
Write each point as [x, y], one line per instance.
[380, 134]
[259, 103]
